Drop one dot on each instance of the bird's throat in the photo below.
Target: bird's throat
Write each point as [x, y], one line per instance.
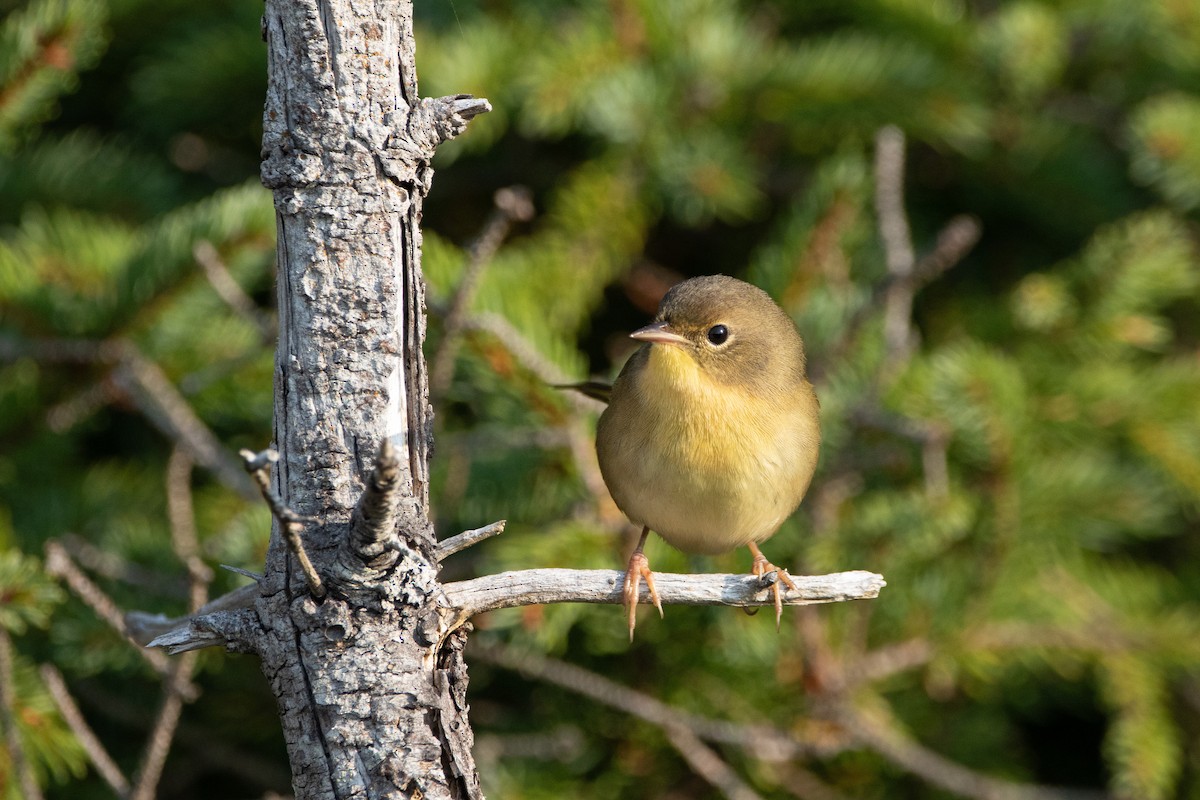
[672, 371]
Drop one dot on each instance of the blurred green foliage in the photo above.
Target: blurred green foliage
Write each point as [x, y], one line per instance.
[1027, 480]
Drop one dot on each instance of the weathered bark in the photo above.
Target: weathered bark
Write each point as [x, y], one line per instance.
[369, 679]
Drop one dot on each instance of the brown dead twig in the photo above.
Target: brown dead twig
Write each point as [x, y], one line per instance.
[142, 382]
[101, 760]
[853, 727]
[512, 205]
[291, 523]
[177, 686]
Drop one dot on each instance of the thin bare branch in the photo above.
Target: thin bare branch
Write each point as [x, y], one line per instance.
[167, 409]
[59, 564]
[292, 524]
[878, 731]
[512, 204]
[802, 784]
[562, 743]
[148, 387]
[8, 720]
[201, 745]
[708, 765]
[897, 240]
[536, 586]
[183, 527]
[765, 742]
[528, 356]
[101, 760]
[63, 416]
[954, 241]
[889, 660]
[455, 544]
[163, 732]
[230, 292]
[110, 565]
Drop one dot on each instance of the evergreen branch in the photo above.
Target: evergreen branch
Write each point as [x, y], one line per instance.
[101, 760]
[17, 756]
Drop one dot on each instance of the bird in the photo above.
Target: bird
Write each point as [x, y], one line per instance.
[711, 433]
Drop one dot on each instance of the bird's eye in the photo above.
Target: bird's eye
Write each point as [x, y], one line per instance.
[717, 334]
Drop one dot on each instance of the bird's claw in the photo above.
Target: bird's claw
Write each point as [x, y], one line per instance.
[761, 569]
[639, 567]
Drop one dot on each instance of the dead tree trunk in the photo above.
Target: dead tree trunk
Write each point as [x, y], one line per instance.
[357, 644]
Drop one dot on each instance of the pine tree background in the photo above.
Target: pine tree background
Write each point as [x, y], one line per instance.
[1025, 472]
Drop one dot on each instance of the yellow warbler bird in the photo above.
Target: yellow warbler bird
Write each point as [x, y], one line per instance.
[711, 433]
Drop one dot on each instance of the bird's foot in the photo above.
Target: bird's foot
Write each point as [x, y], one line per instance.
[760, 568]
[639, 567]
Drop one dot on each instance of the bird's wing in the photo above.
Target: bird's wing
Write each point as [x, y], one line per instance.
[596, 390]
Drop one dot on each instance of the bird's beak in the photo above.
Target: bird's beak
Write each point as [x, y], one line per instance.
[658, 332]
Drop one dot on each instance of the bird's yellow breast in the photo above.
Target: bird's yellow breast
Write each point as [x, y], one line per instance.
[706, 465]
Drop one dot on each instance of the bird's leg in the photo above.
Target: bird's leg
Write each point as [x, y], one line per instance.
[639, 567]
[762, 567]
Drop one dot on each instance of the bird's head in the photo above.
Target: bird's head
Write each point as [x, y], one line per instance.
[729, 331]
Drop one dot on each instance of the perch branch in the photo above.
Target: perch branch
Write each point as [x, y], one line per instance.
[101, 760]
[292, 524]
[536, 586]
[455, 544]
